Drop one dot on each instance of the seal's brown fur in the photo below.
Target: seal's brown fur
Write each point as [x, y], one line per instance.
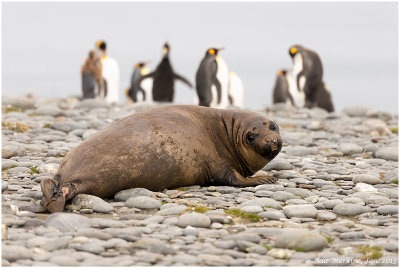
[167, 147]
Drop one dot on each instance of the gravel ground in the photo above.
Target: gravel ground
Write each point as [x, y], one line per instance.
[335, 203]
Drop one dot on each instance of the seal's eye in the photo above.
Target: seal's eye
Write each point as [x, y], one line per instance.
[251, 138]
[273, 126]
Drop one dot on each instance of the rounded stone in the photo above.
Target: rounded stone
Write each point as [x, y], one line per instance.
[133, 192]
[366, 178]
[300, 211]
[348, 209]
[301, 240]
[143, 202]
[350, 148]
[262, 202]
[85, 201]
[388, 153]
[252, 209]
[388, 210]
[272, 215]
[194, 219]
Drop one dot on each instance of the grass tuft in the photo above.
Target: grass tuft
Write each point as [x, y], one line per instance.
[239, 213]
[370, 252]
[34, 170]
[182, 189]
[16, 127]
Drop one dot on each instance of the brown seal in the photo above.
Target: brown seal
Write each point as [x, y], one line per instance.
[167, 147]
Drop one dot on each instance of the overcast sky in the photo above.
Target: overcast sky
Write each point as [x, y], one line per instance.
[44, 44]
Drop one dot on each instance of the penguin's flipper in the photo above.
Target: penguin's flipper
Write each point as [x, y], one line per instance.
[183, 79]
[218, 86]
[139, 80]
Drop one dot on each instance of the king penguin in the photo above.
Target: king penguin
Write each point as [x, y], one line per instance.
[212, 80]
[281, 91]
[141, 92]
[307, 73]
[110, 74]
[163, 79]
[92, 80]
[235, 91]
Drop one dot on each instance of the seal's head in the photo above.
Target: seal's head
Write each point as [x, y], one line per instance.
[260, 141]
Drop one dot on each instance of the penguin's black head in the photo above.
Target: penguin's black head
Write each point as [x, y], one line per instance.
[101, 45]
[282, 72]
[140, 64]
[213, 51]
[293, 51]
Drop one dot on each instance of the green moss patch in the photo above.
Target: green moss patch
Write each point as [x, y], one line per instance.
[395, 130]
[370, 252]
[242, 214]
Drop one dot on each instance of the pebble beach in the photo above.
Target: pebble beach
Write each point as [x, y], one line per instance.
[335, 202]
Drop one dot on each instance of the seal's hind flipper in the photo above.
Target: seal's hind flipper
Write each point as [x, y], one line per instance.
[52, 198]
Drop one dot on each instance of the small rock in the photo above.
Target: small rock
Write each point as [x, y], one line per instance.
[388, 153]
[194, 219]
[300, 211]
[348, 209]
[388, 210]
[252, 209]
[272, 215]
[299, 239]
[363, 187]
[14, 253]
[366, 178]
[262, 202]
[67, 222]
[350, 148]
[175, 210]
[134, 192]
[85, 201]
[278, 164]
[143, 202]
[326, 215]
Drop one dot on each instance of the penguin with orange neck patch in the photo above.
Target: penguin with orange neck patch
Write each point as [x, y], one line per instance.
[212, 80]
[141, 92]
[281, 93]
[110, 74]
[307, 76]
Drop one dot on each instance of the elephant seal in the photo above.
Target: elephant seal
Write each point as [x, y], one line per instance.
[167, 147]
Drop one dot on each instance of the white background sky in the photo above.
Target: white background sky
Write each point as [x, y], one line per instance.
[44, 44]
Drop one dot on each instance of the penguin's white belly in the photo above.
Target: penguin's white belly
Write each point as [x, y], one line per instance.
[147, 86]
[223, 78]
[297, 96]
[296, 92]
[236, 90]
[111, 75]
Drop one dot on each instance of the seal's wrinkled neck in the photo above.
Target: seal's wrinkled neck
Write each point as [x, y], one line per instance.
[235, 130]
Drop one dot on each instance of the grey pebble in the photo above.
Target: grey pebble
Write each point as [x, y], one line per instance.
[366, 178]
[301, 239]
[124, 195]
[388, 210]
[85, 201]
[66, 222]
[348, 209]
[143, 202]
[194, 219]
[300, 211]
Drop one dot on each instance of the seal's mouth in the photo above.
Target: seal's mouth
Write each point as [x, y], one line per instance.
[269, 151]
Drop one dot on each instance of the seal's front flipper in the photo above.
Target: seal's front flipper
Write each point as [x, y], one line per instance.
[233, 178]
[53, 199]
